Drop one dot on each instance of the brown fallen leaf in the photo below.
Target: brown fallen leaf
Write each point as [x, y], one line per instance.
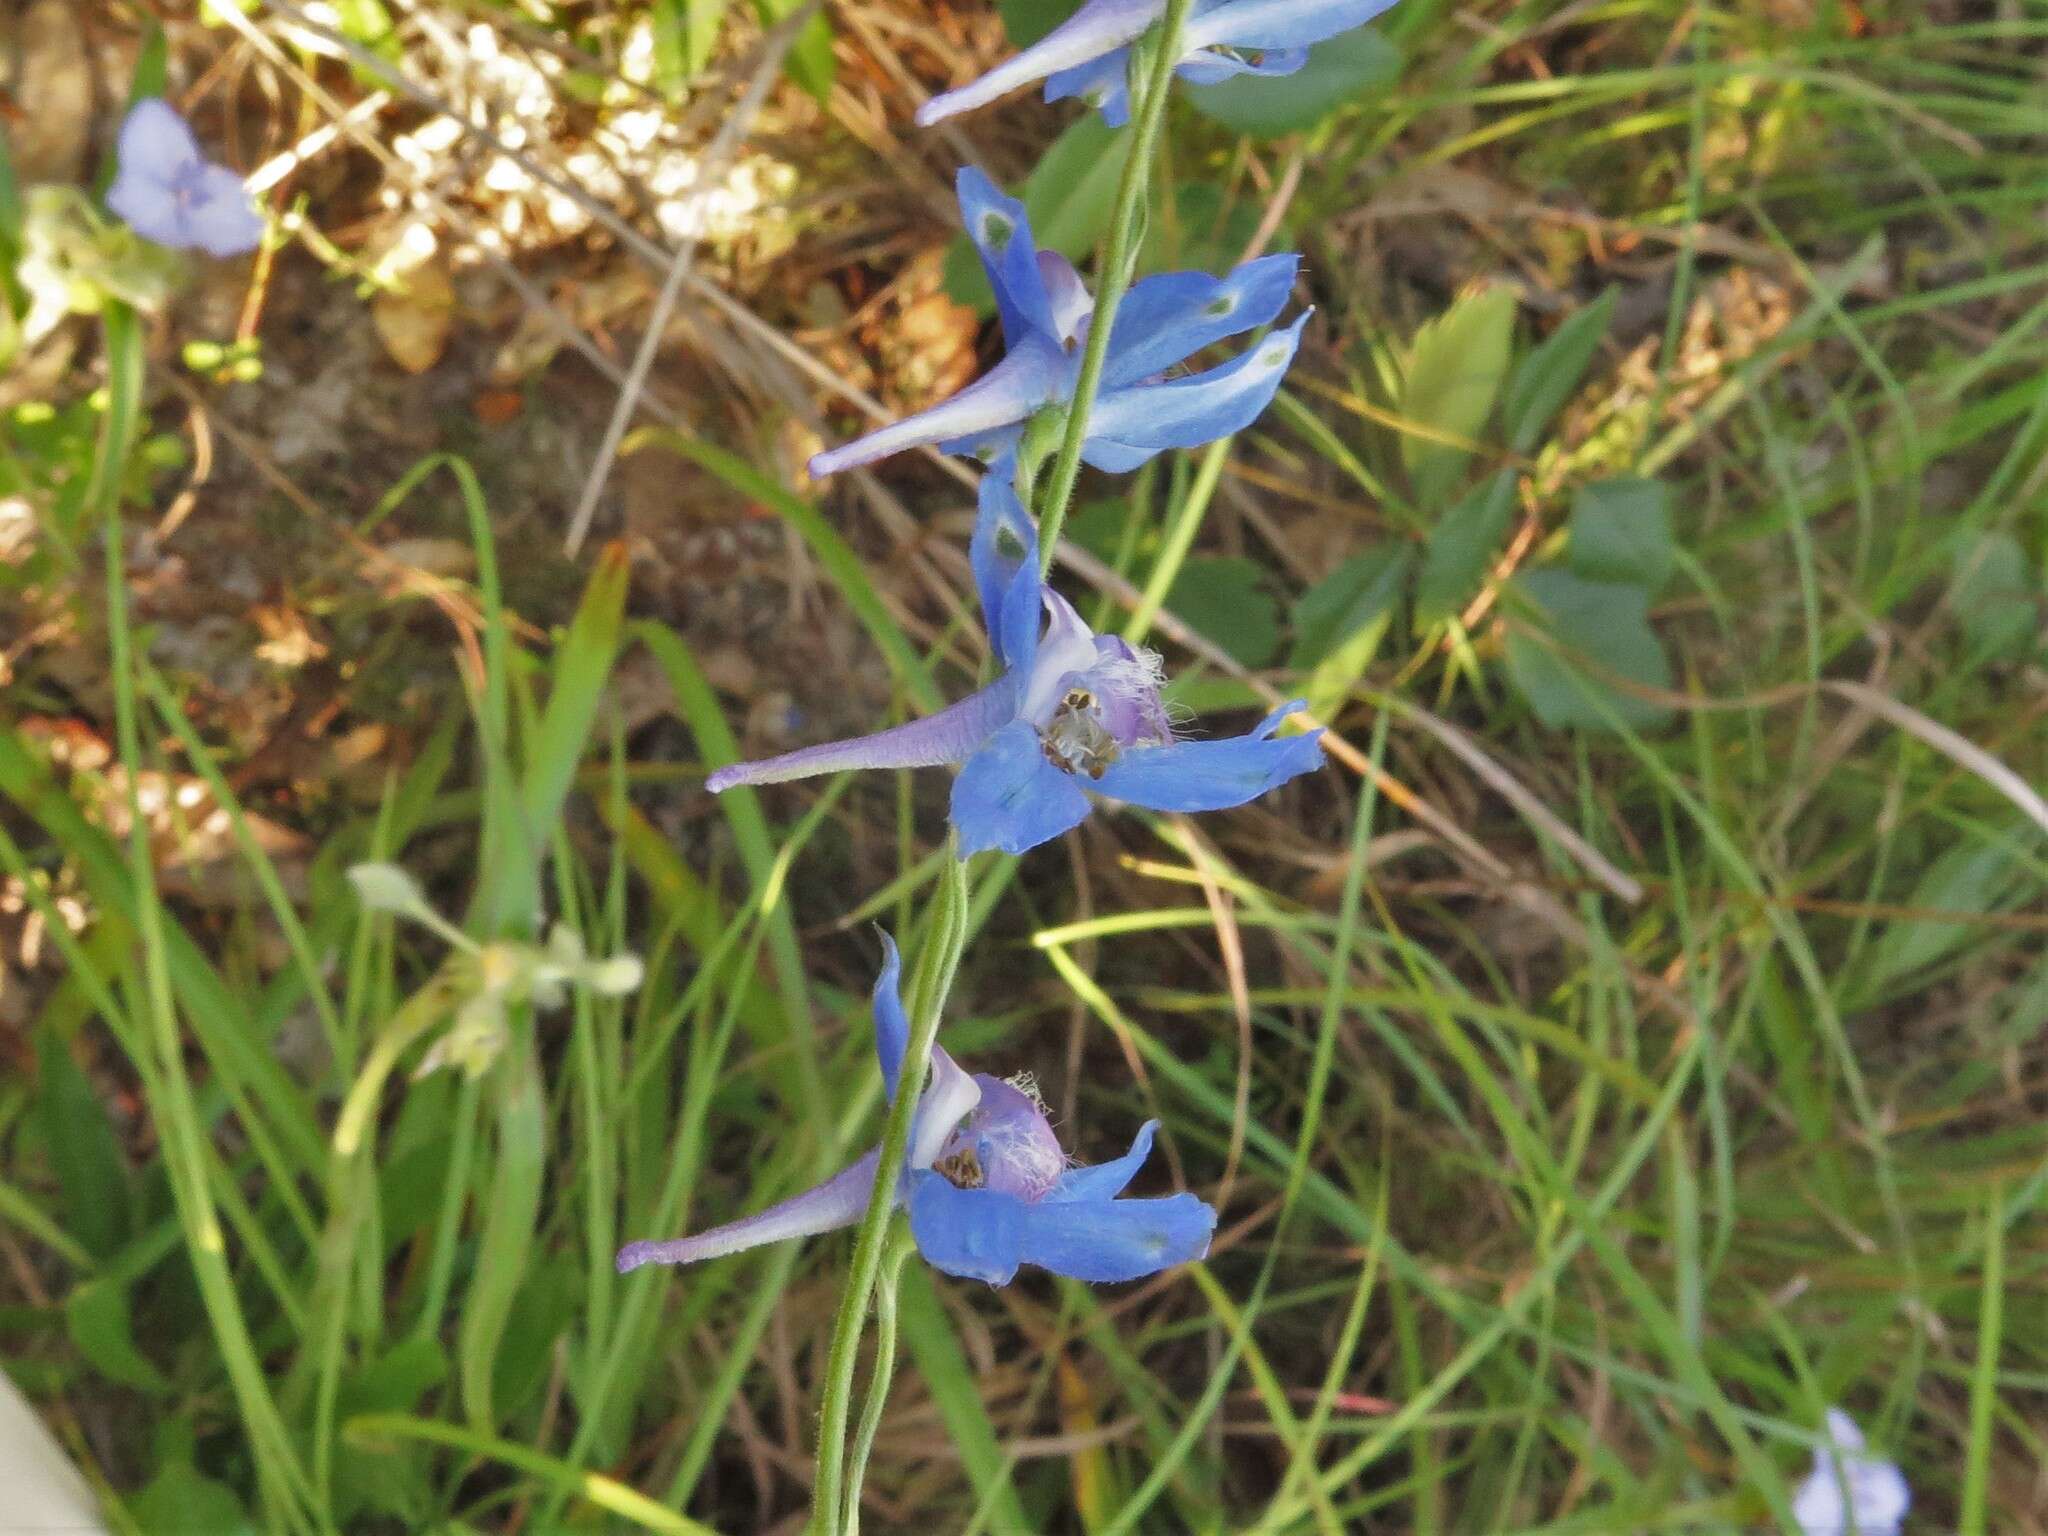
[414, 319]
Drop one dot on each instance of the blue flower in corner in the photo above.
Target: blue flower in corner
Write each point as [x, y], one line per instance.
[1074, 712]
[986, 1184]
[1045, 312]
[1847, 1490]
[168, 192]
[1089, 55]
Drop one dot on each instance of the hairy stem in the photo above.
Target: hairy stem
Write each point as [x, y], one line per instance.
[938, 958]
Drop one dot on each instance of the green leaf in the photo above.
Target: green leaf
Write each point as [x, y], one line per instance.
[1069, 197]
[152, 66]
[180, 1499]
[1545, 379]
[1595, 628]
[1026, 21]
[1971, 879]
[1454, 373]
[1461, 547]
[96, 1316]
[1993, 595]
[685, 32]
[1349, 597]
[576, 686]
[811, 62]
[396, 1381]
[1348, 623]
[1199, 231]
[1221, 596]
[1346, 69]
[91, 1173]
[1620, 531]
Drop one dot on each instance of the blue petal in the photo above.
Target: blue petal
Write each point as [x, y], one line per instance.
[1211, 68]
[1212, 775]
[1105, 1181]
[1001, 232]
[155, 144]
[1104, 83]
[1095, 29]
[1105, 1240]
[1279, 23]
[1173, 315]
[1010, 797]
[1031, 375]
[220, 219]
[892, 1027]
[953, 735]
[1004, 553]
[838, 1202]
[991, 445]
[1130, 425]
[973, 1233]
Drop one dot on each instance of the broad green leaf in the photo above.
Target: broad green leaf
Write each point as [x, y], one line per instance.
[1594, 628]
[1454, 373]
[96, 1315]
[810, 63]
[1069, 197]
[1198, 231]
[1346, 69]
[510, 1221]
[582, 662]
[152, 66]
[91, 1173]
[1350, 596]
[685, 31]
[1620, 531]
[396, 1381]
[1026, 21]
[1221, 596]
[1994, 596]
[1545, 379]
[1970, 879]
[1353, 631]
[180, 1498]
[1461, 547]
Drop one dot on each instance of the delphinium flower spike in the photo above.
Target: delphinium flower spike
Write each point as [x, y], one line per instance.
[1848, 1493]
[1045, 313]
[170, 193]
[1089, 54]
[1074, 712]
[986, 1184]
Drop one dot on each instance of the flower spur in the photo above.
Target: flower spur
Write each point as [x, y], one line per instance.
[170, 193]
[986, 1184]
[1045, 313]
[1073, 712]
[1089, 54]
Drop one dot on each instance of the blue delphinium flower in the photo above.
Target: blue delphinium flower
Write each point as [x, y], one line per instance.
[168, 192]
[1073, 712]
[986, 1184]
[1089, 54]
[1045, 314]
[1877, 1497]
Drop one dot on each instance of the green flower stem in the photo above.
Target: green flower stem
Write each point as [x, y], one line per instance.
[1148, 112]
[901, 1246]
[938, 958]
[287, 1492]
